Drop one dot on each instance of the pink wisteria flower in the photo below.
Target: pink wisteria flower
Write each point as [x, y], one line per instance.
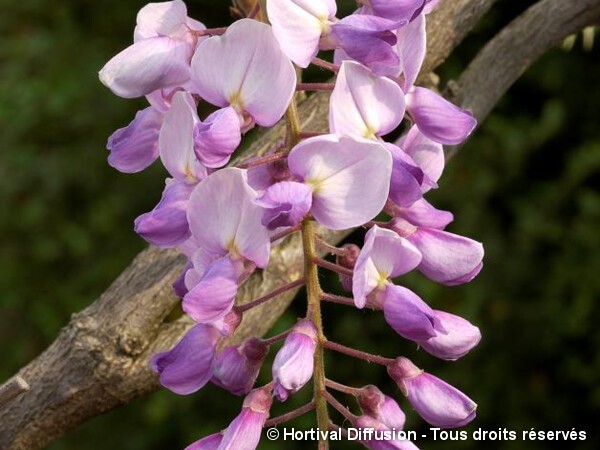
[294, 363]
[333, 168]
[304, 27]
[230, 242]
[437, 402]
[228, 220]
[246, 70]
[164, 42]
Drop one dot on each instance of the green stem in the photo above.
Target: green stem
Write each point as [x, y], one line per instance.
[313, 291]
[292, 121]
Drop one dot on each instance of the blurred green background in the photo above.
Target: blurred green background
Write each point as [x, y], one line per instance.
[526, 185]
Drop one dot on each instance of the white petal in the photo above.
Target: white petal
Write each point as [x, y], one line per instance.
[350, 178]
[363, 104]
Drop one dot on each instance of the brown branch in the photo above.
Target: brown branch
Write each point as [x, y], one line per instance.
[99, 361]
[504, 59]
[12, 389]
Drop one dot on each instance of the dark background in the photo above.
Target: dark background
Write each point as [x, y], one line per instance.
[526, 185]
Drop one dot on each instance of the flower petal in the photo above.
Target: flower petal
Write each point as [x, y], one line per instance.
[447, 257]
[285, 203]
[176, 140]
[407, 178]
[166, 225]
[298, 25]
[363, 104]
[392, 255]
[336, 168]
[437, 118]
[400, 11]
[188, 366]
[245, 68]
[212, 298]
[218, 227]
[146, 66]
[210, 442]
[460, 337]
[218, 137]
[135, 147]
[439, 403]
[411, 47]
[428, 154]
[368, 40]
[161, 19]
[422, 214]
[408, 315]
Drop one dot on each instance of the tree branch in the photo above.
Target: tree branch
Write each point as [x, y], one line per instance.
[522, 42]
[99, 361]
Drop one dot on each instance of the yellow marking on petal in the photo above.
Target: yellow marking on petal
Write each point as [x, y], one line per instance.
[325, 24]
[382, 280]
[233, 250]
[190, 176]
[314, 184]
[369, 133]
[236, 101]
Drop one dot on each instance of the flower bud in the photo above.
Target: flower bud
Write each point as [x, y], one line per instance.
[347, 260]
[245, 430]
[460, 337]
[379, 429]
[188, 366]
[437, 402]
[237, 367]
[210, 442]
[293, 366]
[381, 407]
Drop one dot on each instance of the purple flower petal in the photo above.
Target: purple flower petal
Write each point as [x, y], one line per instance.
[218, 137]
[245, 430]
[213, 297]
[146, 66]
[166, 225]
[285, 204]
[368, 40]
[381, 407]
[384, 255]
[294, 363]
[179, 286]
[411, 47]
[420, 214]
[135, 147]
[218, 227]
[447, 258]
[298, 25]
[400, 11]
[236, 367]
[363, 104]
[437, 118]
[245, 68]
[428, 154]
[370, 423]
[187, 367]
[460, 337]
[336, 169]
[437, 402]
[176, 140]
[210, 442]
[161, 19]
[407, 178]
[408, 315]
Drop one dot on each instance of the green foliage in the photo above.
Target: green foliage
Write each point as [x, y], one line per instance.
[526, 185]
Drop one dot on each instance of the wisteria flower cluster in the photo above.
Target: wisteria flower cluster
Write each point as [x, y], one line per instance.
[227, 219]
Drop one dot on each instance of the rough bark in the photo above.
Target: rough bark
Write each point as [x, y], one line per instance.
[522, 42]
[99, 361]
